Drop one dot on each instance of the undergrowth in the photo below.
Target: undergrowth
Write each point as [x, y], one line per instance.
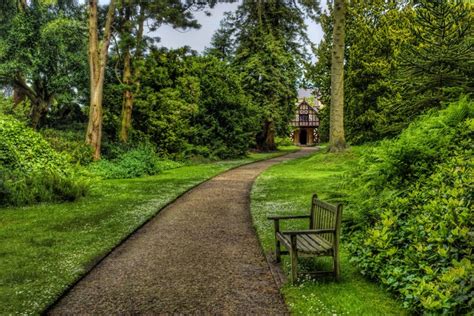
[137, 162]
[410, 212]
[30, 170]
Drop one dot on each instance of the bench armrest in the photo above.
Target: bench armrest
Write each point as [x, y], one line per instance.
[309, 231]
[278, 217]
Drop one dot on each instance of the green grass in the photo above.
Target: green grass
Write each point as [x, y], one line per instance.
[46, 247]
[286, 189]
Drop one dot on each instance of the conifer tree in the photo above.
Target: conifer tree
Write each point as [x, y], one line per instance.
[438, 65]
[223, 42]
[267, 38]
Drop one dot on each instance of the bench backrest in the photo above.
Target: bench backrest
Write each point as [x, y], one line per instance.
[326, 216]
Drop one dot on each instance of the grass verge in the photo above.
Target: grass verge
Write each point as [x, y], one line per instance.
[286, 188]
[46, 247]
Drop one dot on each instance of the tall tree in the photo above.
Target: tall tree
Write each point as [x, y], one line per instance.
[337, 141]
[98, 53]
[126, 36]
[132, 16]
[375, 34]
[222, 42]
[39, 55]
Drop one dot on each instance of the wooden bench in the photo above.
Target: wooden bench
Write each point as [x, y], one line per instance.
[321, 239]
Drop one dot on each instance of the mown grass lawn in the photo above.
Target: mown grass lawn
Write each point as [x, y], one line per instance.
[286, 189]
[46, 247]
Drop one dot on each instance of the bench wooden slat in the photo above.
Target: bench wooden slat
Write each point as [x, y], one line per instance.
[324, 243]
[317, 248]
[325, 205]
[308, 243]
[304, 245]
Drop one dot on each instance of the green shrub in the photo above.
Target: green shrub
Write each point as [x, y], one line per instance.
[283, 141]
[134, 163]
[189, 107]
[17, 188]
[30, 170]
[71, 143]
[411, 212]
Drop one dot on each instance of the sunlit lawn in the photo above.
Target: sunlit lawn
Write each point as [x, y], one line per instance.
[286, 189]
[46, 247]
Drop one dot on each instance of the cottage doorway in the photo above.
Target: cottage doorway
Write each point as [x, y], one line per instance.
[303, 136]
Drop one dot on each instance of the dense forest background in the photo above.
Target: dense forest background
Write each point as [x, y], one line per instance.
[408, 70]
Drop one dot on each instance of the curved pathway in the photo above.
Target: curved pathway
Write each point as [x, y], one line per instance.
[199, 255]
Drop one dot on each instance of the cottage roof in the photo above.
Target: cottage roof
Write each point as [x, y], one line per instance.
[304, 101]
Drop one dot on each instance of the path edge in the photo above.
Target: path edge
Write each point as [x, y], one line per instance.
[99, 259]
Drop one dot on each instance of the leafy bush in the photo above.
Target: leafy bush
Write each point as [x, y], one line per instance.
[71, 143]
[283, 141]
[133, 163]
[412, 215]
[188, 107]
[30, 170]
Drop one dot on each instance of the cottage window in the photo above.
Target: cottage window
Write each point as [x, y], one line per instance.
[304, 117]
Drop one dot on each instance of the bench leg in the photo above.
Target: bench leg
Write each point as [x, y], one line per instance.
[294, 260]
[277, 242]
[277, 250]
[337, 267]
[294, 267]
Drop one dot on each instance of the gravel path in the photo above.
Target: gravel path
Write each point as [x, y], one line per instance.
[199, 255]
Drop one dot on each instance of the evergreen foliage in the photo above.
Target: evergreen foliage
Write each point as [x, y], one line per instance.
[264, 42]
[436, 65]
[223, 41]
[401, 61]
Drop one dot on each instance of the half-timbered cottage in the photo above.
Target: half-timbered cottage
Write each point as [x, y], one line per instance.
[305, 123]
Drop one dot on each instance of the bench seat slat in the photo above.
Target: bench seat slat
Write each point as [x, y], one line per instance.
[307, 243]
[312, 243]
[323, 242]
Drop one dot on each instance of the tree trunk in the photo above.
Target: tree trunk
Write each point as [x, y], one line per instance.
[18, 96]
[127, 99]
[39, 104]
[38, 110]
[127, 105]
[337, 141]
[132, 83]
[94, 128]
[22, 5]
[266, 138]
[98, 53]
